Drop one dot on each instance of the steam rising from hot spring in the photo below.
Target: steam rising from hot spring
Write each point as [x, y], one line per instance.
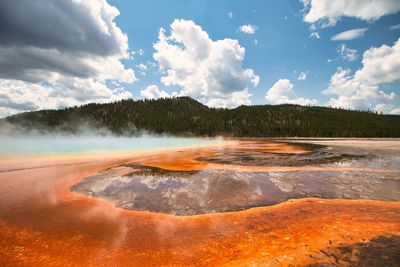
[88, 140]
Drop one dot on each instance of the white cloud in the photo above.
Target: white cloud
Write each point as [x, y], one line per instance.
[329, 12]
[139, 52]
[234, 99]
[248, 29]
[207, 70]
[381, 64]
[66, 51]
[315, 35]
[282, 92]
[395, 111]
[252, 77]
[354, 94]
[394, 27]
[142, 68]
[347, 53]
[362, 90]
[349, 35]
[302, 76]
[385, 108]
[230, 15]
[152, 92]
[18, 96]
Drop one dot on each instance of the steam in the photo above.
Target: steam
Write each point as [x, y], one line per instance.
[68, 128]
[22, 140]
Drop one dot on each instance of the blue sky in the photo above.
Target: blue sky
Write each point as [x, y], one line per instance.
[284, 47]
[72, 52]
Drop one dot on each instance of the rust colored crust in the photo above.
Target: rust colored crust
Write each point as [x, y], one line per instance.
[42, 223]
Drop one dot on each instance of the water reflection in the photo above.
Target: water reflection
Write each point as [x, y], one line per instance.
[147, 188]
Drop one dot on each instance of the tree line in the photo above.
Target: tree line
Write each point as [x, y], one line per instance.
[188, 117]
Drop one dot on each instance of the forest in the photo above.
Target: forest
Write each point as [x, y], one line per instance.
[184, 116]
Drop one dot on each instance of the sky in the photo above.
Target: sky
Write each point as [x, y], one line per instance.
[224, 53]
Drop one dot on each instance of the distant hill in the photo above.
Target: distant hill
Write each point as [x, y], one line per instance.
[185, 116]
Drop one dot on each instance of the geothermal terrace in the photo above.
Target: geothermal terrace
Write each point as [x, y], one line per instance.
[293, 202]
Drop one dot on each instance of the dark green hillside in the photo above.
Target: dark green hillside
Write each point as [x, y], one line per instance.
[185, 116]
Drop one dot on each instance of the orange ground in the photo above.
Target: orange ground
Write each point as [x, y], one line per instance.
[42, 223]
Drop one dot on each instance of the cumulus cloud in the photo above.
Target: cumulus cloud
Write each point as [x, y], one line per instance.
[70, 49]
[380, 65]
[248, 29]
[347, 53]
[349, 35]
[152, 92]
[282, 92]
[18, 96]
[210, 71]
[329, 12]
